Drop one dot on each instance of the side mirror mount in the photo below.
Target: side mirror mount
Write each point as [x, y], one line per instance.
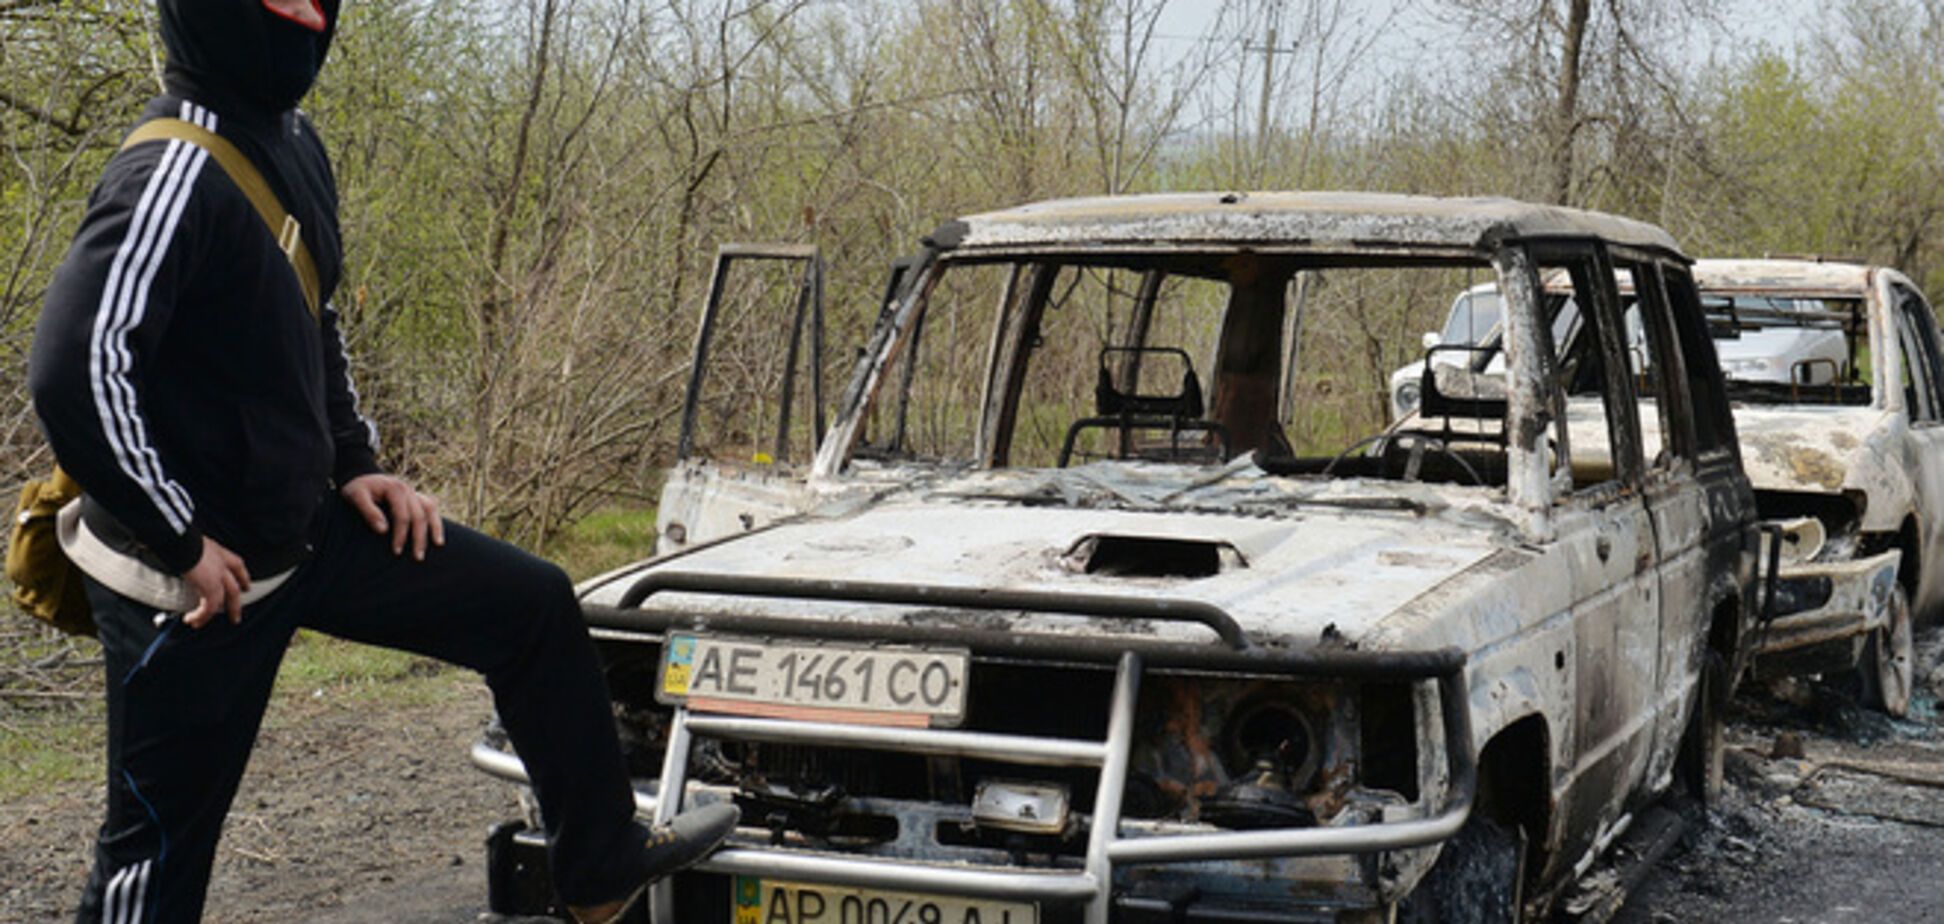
[1431, 339]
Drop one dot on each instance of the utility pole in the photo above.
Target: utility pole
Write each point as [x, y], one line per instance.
[1269, 53]
[1262, 106]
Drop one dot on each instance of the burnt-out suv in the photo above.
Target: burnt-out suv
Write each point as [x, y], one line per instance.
[1104, 597]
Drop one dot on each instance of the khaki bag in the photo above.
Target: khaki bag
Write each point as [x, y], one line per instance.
[47, 586]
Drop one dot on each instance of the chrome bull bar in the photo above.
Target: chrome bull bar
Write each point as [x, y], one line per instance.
[1107, 847]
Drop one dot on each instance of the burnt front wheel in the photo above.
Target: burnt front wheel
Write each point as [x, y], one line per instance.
[1889, 666]
[1475, 879]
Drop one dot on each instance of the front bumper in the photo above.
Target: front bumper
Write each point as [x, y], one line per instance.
[1090, 891]
[1836, 605]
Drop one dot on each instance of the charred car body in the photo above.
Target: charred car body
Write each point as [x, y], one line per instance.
[1043, 634]
[1833, 439]
[1848, 453]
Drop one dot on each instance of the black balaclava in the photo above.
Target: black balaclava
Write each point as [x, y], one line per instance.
[231, 53]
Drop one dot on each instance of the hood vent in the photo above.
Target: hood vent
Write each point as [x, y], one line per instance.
[1151, 556]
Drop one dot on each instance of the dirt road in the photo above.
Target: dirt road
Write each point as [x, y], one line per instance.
[359, 811]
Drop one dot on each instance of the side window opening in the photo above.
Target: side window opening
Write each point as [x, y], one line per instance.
[1659, 369]
[1918, 339]
[1711, 419]
[1603, 422]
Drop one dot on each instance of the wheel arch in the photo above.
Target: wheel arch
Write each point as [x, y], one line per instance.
[1515, 785]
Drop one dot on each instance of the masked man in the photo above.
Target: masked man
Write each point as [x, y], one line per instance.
[232, 494]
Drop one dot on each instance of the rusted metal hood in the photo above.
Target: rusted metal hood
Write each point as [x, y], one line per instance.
[1288, 579]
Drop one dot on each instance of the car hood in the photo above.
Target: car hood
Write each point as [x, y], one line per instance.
[1292, 576]
[1805, 447]
[1810, 448]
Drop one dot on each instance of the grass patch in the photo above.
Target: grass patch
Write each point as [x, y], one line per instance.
[604, 540]
[60, 741]
[316, 664]
[45, 748]
[52, 715]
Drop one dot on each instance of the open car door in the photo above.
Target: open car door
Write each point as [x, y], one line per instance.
[753, 415]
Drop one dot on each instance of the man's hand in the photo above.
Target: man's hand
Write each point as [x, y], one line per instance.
[219, 579]
[413, 515]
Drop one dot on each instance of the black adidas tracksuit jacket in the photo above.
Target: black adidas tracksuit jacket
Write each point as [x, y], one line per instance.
[182, 380]
[177, 370]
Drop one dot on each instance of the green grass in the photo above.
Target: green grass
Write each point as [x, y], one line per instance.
[48, 747]
[603, 540]
[51, 712]
[55, 742]
[318, 663]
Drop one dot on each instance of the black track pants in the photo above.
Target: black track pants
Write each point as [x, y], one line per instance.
[184, 706]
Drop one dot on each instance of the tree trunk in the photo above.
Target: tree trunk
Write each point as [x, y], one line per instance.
[1566, 116]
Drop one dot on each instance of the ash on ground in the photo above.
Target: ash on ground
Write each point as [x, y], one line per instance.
[1832, 813]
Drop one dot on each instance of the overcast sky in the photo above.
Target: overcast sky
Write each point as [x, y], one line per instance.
[1418, 40]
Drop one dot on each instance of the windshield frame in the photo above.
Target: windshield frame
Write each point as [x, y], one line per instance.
[1527, 485]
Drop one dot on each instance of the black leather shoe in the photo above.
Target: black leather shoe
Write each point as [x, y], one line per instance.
[678, 845]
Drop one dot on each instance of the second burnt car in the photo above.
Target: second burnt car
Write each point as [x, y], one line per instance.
[1046, 627]
[1847, 452]
[1839, 448]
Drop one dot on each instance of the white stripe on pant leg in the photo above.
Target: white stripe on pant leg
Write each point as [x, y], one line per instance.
[121, 896]
[137, 905]
[110, 906]
[126, 913]
[108, 897]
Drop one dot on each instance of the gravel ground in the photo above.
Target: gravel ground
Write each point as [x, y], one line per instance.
[347, 802]
[1851, 830]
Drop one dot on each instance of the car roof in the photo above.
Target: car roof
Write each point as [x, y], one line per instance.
[1803, 278]
[1337, 220]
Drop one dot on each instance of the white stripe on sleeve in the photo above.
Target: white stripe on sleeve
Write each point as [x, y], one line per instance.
[124, 299]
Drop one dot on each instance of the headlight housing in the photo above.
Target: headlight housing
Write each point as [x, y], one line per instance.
[1406, 397]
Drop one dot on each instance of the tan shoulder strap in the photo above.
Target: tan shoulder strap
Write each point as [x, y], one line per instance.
[283, 227]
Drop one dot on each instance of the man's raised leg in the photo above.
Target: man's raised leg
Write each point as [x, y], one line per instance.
[487, 605]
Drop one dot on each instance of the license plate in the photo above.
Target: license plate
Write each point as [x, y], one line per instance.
[815, 681]
[760, 901]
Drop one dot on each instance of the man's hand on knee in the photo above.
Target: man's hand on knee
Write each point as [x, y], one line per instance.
[414, 517]
[219, 579]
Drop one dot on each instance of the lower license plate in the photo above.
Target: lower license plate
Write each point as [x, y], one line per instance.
[790, 678]
[761, 901]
